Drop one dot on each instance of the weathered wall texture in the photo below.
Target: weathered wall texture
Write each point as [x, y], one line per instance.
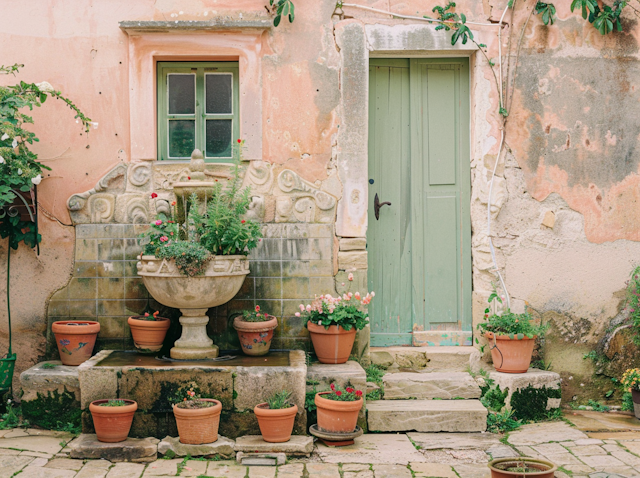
[566, 224]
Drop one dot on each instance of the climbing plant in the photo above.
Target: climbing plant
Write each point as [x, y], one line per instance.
[282, 8]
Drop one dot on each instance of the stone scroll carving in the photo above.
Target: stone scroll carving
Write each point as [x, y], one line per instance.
[303, 201]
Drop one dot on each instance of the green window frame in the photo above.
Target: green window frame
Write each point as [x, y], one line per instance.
[183, 122]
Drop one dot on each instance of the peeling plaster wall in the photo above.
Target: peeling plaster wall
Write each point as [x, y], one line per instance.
[565, 199]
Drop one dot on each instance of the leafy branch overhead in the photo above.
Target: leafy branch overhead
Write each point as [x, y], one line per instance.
[283, 8]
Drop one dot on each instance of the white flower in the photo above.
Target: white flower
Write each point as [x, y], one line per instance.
[36, 180]
[1, 160]
[94, 124]
[19, 172]
[14, 143]
[319, 322]
[45, 86]
[4, 136]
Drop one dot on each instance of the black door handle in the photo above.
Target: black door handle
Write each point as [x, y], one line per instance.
[377, 205]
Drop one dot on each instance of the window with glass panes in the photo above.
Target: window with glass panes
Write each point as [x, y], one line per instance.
[197, 109]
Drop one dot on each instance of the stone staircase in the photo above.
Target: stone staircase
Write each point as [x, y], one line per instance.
[427, 389]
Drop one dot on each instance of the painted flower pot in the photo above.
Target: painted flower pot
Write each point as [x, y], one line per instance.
[510, 355]
[198, 425]
[275, 425]
[335, 416]
[255, 337]
[536, 468]
[112, 424]
[148, 335]
[332, 345]
[635, 395]
[75, 339]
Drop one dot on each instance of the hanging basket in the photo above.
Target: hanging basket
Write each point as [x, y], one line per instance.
[7, 365]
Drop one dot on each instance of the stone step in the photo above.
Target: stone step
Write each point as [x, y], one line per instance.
[426, 416]
[430, 359]
[440, 385]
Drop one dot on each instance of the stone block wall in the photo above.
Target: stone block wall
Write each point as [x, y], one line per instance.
[292, 264]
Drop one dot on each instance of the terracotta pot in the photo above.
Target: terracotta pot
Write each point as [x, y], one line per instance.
[198, 425]
[547, 469]
[148, 335]
[112, 424]
[75, 339]
[332, 345]
[510, 355]
[275, 425]
[335, 416]
[255, 337]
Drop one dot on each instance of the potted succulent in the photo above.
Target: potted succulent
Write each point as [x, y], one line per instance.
[197, 418]
[255, 331]
[333, 322]
[511, 337]
[75, 339]
[195, 252]
[338, 409]
[522, 467]
[112, 418]
[631, 382]
[276, 417]
[148, 331]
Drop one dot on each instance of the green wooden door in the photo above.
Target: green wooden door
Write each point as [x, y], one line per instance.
[419, 247]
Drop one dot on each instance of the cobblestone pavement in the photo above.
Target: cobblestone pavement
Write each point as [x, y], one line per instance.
[43, 454]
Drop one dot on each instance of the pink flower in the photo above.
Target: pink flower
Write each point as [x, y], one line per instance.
[164, 239]
[357, 295]
[158, 222]
[350, 294]
[308, 308]
[301, 308]
[350, 276]
[297, 314]
[257, 308]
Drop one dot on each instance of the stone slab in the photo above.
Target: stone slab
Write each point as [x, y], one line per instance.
[296, 446]
[429, 359]
[227, 469]
[533, 378]
[426, 415]
[373, 448]
[11, 464]
[590, 421]
[455, 441]
[538, 433]
[126, 470]
[41, 444]
[392, 471]
[221, 447]
[432, 470]
[39, 379]
[443, 385]
[260, 459]
[135, 450]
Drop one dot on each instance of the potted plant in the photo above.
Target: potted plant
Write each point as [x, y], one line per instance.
[511, 337]
[338, 409]
[195, 255]
[148, 331]
[333, 322]
[197, 418]
[75, 339]
[522, 467]
[276, 417]
[255, 331]
[112, 418]
[631, 382]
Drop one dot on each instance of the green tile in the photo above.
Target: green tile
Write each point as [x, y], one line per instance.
[322, 285]
[58, 308]
[140, 228]
[321, 249]
[62, 294]
[111, 327]
[83, 288]
[321, 230]
[111, 307]
[296, 231]
[247, 290]
[134, 289]
[268, 250]
[265, 269]
[238, 306]
[110, 269]
[285, 343]
[111, 288]
[85, 231]
[295, 288]
[108, 344]
[295, 269]
[82, 308]
[132, 249]
[293, 327]
[85, 269]
[131, 269]
[86, 249]
[110, 231]
[110, 249]
[295, 249]
[321, 268]
[134, 306]
[268, 288]
[290, 307]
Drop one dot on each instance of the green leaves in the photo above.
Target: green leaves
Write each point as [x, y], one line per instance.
[284, 8]
[548, 11]
[585, 5]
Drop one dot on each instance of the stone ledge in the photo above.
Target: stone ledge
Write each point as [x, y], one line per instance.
[439, 385]
[532, 378]
[38, 379]
[261, 459]
[136, 450]
[221, 447]
[297, 446]
[216, 23]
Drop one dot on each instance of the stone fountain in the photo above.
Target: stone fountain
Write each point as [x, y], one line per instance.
[219, 283]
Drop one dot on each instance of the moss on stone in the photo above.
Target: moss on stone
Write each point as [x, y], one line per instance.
[53, 411]
[530, 404]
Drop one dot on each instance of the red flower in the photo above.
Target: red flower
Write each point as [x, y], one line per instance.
[333, 387]
[349, 390]
[189, 178]
[242, 222]
[173, 203]
[358, 393]
[239, 141]
[257, 308]
[154, 195]
[338, 393]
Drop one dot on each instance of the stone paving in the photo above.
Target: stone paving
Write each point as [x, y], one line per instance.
[44, 454]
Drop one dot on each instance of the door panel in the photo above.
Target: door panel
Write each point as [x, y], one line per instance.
[419, 249]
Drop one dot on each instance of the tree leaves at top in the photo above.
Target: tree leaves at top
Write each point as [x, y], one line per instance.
[284, 8]
[548, 11]
[451, 20]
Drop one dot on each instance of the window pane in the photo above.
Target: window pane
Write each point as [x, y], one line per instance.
[182, 138]
[219, 138]
[218, 94]
[182, 94]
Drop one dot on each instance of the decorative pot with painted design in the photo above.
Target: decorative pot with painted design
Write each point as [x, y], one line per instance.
[255, 337]
[75, 339]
